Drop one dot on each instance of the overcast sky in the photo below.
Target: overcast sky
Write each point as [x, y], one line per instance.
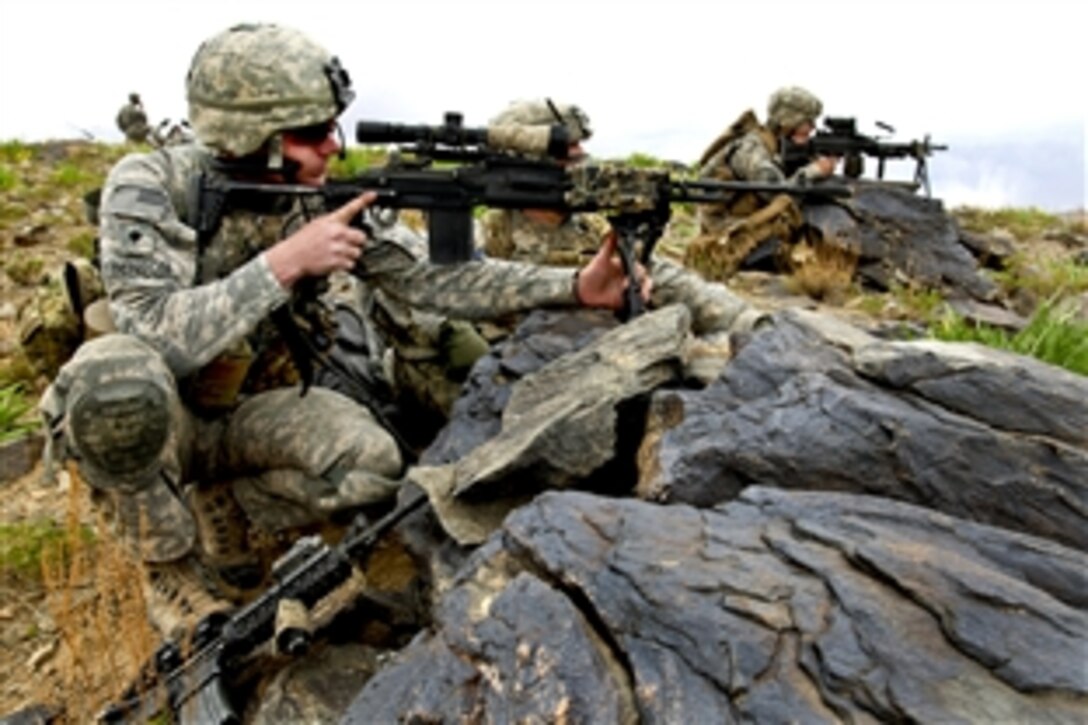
[1001, 83]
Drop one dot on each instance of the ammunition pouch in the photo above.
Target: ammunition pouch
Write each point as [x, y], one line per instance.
[217, 387]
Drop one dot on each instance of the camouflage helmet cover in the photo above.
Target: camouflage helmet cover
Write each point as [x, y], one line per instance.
[541, 113]
[791, 106]
[252, 81]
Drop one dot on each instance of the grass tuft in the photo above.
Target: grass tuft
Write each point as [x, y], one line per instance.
[823, 272]
[1022, 223]
[1052, 335]
[94, 594]
[15, 410]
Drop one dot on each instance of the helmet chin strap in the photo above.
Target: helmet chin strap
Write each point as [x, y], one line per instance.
[278, 162]
[343, 153]
[275, 151]
[269, 159]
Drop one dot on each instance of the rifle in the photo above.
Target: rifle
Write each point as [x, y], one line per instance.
[195, 688]
[840, 137]
[453, 169]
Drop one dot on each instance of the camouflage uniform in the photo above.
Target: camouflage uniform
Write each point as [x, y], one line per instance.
[427, 356]
[190, 414]
[749, 151]
[510, 234]
[132, 120]
[716, 312]
[430, 355]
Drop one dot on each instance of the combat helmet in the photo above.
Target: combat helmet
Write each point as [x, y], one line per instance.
[249, 83]
[545, 113]
[791, 106]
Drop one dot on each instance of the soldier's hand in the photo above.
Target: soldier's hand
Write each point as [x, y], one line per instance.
[824, 166]
[602, 282]
[323, 245]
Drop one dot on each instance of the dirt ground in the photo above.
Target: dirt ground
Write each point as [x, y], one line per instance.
[28, 635]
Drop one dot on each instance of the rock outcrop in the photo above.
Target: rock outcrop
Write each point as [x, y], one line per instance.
[816, 404]
[777, 607]
[902, 237]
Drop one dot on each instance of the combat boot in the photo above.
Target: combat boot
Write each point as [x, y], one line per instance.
[223, 532]
[179, 598]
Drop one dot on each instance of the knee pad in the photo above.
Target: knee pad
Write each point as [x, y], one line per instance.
[120, 419]
[119, 403]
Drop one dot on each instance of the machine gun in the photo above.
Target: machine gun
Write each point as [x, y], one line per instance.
[840, 137]
[196, 688]
[453, 169]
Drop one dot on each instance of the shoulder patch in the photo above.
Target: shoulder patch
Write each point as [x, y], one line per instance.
[138, 202]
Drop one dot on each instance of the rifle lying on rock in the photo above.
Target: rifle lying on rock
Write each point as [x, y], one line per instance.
[196, 688]
[840, 137]
[506, 167]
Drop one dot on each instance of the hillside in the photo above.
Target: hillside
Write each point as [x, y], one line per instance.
[43, 223]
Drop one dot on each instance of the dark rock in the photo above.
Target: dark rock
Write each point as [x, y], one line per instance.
[992, 249]
[980, 313]
[901, 237]
[815, 404]
[317, 688]
[1067, 238]
[19, 456]
[778, 607]
[563, 426]
[542, 337]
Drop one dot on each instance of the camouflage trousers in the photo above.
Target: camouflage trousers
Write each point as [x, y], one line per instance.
[289, 460]
[724, 242]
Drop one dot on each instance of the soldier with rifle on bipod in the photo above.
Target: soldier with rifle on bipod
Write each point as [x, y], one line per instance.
[198, 425]
[752, 221]
[840, 138]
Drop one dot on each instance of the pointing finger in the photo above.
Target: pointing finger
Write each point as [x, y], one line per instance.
[609, 246]
[352, 209]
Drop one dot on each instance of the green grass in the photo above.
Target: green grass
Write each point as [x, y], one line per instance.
[1023, 223]
[16, 369]
[357, 158]
[643, 161]
[1050, 336]
[921, 302]
[14, 411]
[8, 179]
[24, 268]
[1043, 279]
[70, 175]
[82, 245]
[22, 545]
[15, 152]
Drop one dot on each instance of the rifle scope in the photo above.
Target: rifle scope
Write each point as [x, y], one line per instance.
[552, 141]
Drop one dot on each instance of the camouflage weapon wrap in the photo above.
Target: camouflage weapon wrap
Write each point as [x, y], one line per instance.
[501, 168]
